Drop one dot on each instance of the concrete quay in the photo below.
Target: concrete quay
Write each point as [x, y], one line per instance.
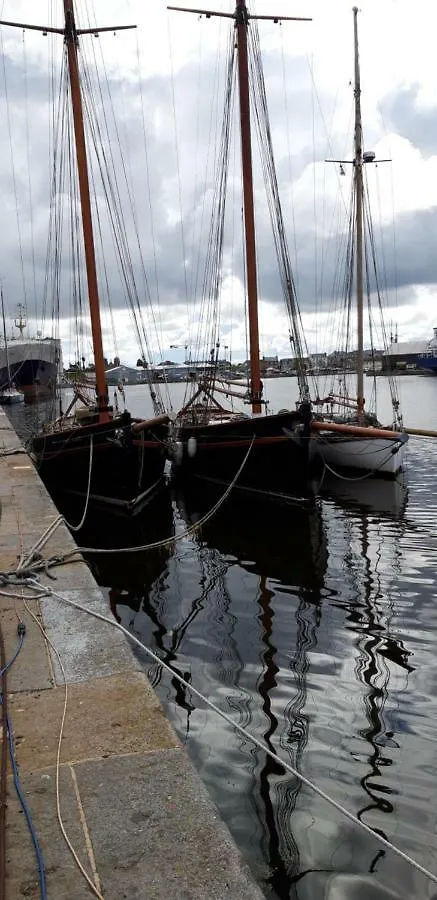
[138, 815]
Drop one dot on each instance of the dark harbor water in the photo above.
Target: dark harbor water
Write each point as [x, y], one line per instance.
[313, 625]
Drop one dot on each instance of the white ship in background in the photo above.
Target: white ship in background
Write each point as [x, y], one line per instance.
[35, 363]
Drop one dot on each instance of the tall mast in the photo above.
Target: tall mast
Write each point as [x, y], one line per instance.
[71, 42]
[71, 34]
[241, 25]
[242, 18]
[358, 178]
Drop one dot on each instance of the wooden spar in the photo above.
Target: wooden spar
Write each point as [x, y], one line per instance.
[211, 12]
[85, 202]
[149, 423]
[241, 21]
[421, 432]
[358, 178]
[230, 393]
[365, 431]
[370, 431]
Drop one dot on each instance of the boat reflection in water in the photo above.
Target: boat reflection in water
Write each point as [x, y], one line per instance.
[368, 521]
[313, 673]
[375, 496]
[280, 540]
[298, 645]
[262, 567]
[130, 577]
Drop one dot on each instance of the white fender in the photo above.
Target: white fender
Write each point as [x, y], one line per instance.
[178, 449]
[191, 446]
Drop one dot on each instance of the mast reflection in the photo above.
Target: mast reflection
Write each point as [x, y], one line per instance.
[380, 655]
[285, 548]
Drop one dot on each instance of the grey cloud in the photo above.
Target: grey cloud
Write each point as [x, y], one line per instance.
[403, 114]
[414, 231]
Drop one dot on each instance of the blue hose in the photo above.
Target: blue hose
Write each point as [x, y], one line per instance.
[41, 867]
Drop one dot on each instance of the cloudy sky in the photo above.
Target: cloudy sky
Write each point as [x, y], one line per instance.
[165, 81]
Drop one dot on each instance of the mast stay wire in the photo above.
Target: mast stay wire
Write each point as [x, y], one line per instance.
[213, 149]
[178, 172]
[106, 162]
[127, 180]
[262, 121]
[159, 330]
[13, 170]
[111, 190]
[29, 183]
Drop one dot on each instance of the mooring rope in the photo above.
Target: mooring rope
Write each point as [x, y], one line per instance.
[26, 562]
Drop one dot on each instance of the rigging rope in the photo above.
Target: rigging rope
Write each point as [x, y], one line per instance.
[262, 121]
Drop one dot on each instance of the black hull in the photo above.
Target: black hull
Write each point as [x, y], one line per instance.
[283, 458]
[125, 465]
[34, 378]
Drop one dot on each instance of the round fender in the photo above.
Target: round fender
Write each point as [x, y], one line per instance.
[178, 450]
[191, 447]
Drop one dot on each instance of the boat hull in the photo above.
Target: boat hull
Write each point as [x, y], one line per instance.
[380, 456]
[125, 465]
[33, 366]
[8, 398]
[282, 457]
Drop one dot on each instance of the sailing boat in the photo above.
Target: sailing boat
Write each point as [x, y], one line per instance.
[90, 448]
[352, 438]
[209, 440]
[8, 392]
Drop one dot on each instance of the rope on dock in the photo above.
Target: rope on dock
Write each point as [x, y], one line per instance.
[31, 561]
[11, 451]
[39, 591]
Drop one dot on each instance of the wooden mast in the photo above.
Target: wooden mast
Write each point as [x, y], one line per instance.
[358, 178]
[241, 25]
[71, 34]
[71, 42]
[241, 18]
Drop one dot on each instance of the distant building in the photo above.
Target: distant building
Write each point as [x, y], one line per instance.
[318, 360]
[170, 371]
[123, 375]
[269, 363]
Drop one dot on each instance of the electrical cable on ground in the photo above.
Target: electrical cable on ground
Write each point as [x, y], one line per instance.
[8, 734]
[3, 772]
